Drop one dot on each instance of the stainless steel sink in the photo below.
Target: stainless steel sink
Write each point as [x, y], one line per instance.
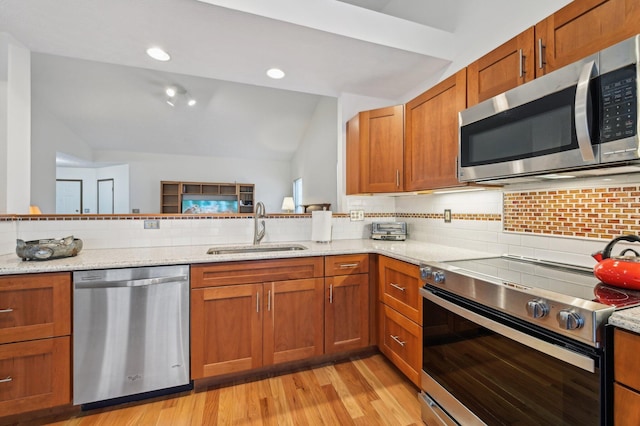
[255, 249]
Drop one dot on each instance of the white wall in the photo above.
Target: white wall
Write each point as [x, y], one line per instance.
[316, 159]
[15, 129]
[50, 135]
[271, 178]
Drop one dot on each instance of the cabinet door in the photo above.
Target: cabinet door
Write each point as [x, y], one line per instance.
[431, 135]
[35, 375]
[504, 68]
[346, 312]
[401, 341]
[293, 321]
[35, 306]
[353, 156]
[400, 287]
[382, 131]
[584, 27]
[226, 329]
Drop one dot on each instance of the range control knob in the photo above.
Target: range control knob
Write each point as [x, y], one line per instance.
[537, 308]
[438, 277]
[425, 272]
[569, 320]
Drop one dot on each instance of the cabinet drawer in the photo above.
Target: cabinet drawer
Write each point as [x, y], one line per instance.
[346, 264]
[34, 306]
[626, 406]
[35, 375]
[626, 363]
[401, 342]
[255, 271]
[399, 287]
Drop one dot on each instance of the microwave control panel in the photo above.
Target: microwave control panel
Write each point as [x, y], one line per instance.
[619, 104]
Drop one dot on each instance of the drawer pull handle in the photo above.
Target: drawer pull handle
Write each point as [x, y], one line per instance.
[6, 311]
[397, 339]
[348, 265]
[330, 293]
[396, 286]
[7, 380]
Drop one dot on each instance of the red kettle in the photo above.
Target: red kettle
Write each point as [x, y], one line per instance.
[619, 271]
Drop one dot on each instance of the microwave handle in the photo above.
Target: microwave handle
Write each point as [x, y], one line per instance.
[581, 118]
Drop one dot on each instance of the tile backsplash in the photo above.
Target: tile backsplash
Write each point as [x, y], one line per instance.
[598, 212]
[554, 222]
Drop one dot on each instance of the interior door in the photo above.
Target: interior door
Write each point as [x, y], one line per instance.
[68, 196]
[105, 196]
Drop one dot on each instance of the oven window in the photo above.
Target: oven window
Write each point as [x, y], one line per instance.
[502, 381]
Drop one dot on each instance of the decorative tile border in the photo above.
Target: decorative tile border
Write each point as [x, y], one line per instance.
[95, 217]
[585, 212]
[491, 217]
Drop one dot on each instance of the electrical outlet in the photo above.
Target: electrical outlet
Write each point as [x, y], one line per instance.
[447, 216]
[151, 224]
[356, 215]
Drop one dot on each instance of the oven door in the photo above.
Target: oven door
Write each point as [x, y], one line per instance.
[482, 367]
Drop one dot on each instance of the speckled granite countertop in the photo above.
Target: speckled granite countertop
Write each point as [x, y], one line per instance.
[629, 319]
[409, 251]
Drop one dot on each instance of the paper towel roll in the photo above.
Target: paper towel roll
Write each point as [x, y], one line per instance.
[321, 226]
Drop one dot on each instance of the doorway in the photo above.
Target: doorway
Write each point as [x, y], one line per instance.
[105, 196]
[68, 196]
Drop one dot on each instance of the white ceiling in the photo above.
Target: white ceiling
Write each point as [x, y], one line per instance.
[380, 48]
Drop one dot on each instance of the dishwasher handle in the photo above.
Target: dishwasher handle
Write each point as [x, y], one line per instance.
[131, 283]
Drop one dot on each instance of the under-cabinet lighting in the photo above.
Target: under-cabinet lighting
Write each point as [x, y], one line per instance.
[451, 191]
[556, 176]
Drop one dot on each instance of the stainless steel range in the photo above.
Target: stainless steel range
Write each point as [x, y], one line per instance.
[510, 340]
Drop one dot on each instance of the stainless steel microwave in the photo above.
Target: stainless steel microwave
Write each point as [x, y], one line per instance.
[582, 118]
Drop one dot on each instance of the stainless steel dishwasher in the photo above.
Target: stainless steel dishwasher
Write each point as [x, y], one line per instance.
[130, 333]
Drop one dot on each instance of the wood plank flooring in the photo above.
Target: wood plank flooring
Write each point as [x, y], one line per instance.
[360, 391]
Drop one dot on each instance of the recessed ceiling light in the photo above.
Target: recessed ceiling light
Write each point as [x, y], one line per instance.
[191, 102]
[275, 73]
[171, 92]
[158, 54]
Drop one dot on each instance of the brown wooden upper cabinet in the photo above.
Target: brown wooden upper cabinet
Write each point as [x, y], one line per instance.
[582, 28]
[504, 68]
[431, 135]
[375, 143]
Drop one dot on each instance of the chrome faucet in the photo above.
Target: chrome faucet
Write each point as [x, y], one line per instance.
[258, 234]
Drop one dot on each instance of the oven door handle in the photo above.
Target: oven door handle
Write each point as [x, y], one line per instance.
[574, 358]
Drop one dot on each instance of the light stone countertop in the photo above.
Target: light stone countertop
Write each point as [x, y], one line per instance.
[629, 319]
[409, 251]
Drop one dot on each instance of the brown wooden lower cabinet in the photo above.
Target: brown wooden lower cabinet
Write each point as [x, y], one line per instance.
[35, 375]
[346, 312]
[241, 325]
[626, 372]
[226, 329]
[400, 340]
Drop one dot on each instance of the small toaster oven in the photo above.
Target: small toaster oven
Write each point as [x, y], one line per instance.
[396, 231]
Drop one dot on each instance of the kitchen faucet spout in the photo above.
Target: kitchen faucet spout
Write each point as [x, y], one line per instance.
[258, 231]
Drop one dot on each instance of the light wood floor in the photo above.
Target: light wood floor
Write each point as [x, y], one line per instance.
[361, 391]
